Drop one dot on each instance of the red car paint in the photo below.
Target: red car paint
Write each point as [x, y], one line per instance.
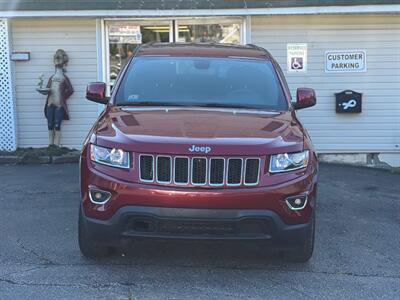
[173, 130]
[244, 134]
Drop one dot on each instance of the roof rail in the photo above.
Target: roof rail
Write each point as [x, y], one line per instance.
[148, 43]
[255, 47]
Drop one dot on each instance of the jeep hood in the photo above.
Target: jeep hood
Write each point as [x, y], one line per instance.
[174, 130]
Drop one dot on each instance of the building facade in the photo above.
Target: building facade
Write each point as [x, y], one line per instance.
[339, 47]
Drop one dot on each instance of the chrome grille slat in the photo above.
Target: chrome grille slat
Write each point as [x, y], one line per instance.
[199, 171]
[164, 169]
[181, 170]
[146, 168]
[216, 171]
[251, 171]
[234, 172]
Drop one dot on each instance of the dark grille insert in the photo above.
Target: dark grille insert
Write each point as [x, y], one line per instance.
[181, 170]
[234, 171]
[163, 169]
[217, 166]
[252, 170]
[212, 171]
[146, 167]
[196, 227]
[199, 170]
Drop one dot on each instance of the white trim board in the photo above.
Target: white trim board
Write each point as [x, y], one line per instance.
[8, 126]
[100, 48]
[354, 9]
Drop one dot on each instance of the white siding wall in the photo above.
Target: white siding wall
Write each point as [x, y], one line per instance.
[42, 37]
[377, 128]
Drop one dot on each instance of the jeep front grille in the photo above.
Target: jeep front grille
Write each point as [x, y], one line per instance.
[199, 171]
[181, 168]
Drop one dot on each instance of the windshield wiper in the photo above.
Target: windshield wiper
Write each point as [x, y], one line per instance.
[151, 103]
[225, 105]
[187, 104]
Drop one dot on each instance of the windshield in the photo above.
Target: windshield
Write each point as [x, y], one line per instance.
[201, 81]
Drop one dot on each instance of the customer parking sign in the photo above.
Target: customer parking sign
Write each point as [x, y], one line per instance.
[345, 61]
[297, 58]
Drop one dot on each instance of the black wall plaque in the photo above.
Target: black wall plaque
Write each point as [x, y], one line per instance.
[348, 102]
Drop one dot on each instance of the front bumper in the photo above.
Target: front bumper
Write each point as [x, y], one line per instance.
[202, 224]
[261, 198]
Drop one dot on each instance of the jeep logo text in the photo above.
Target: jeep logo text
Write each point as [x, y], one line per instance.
[204, 149]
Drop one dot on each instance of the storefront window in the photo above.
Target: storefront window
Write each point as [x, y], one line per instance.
[124, 37]
[219, 33]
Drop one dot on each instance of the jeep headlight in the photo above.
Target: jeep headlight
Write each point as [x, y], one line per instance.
[288, 161]
[111, 157]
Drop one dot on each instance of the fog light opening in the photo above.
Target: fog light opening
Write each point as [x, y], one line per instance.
[97, 196]
[297, 202]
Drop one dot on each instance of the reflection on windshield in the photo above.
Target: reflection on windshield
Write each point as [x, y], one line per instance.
[202, 81]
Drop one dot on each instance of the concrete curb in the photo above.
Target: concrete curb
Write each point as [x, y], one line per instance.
[10, 160]
[29, 159]
[365, 166]
[65, 159]
[34, 159]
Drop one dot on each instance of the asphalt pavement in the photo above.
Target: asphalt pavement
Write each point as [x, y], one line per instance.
[357, 252]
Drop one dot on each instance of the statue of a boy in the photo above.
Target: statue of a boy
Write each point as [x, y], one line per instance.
[58, 90]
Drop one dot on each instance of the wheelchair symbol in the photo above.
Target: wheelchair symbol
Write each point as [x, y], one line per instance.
[297, 63]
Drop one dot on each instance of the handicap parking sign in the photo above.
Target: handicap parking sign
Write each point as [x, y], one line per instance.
[297, 58]
[297, 63]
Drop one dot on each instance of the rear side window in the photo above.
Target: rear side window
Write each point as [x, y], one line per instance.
[202, 81]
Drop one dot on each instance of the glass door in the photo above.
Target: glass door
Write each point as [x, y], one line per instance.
[122, 38]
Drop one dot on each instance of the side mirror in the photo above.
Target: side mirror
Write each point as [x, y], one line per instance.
[96, 92]
[305, 98]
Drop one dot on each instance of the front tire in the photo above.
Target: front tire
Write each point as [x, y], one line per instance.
[88, 246]
[304, 252]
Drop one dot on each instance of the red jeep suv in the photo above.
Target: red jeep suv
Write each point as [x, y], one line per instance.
[199, 141]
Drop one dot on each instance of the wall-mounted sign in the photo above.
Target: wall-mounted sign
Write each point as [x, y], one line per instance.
[20, 56]
[345, 61]
[125, 34]
[297, 58]
[348, 102]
